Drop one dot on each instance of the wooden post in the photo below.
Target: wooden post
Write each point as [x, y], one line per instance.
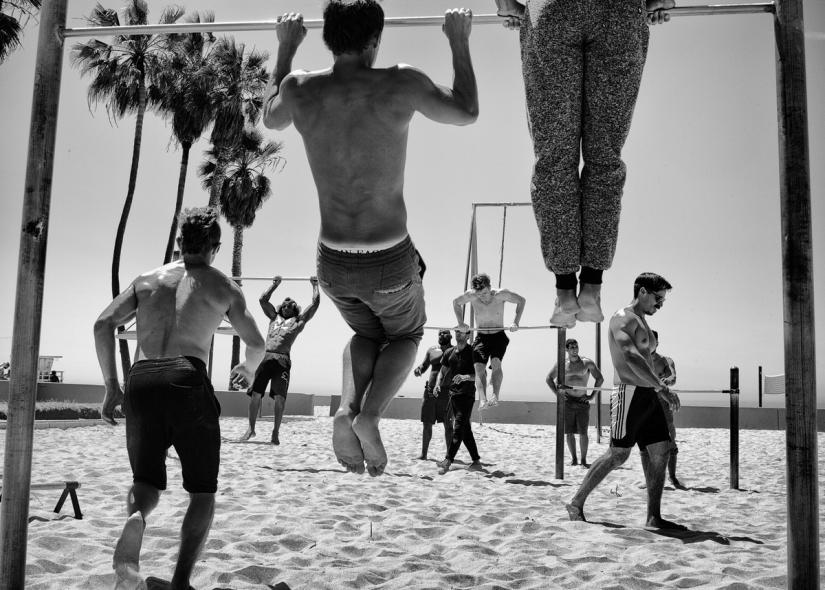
[798, 297]
[760, 386]
[28, 305]
[560, 404]
[734, 428]
[599, 393]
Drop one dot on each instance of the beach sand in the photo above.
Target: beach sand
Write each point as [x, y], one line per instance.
[290, 514]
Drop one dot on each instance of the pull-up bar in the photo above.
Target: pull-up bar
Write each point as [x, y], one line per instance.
[487, 328]
[269, 278]
[401, 21]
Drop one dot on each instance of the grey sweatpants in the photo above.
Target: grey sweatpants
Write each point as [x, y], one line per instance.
[582, 62]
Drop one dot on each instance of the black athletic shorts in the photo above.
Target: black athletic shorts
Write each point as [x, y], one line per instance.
[636, 417]
[274, 370]
[435, 409]
[487, 346]
[576, 415]
[170, 402]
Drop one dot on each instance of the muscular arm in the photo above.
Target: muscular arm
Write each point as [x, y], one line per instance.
[671, 380]
[458, 302]
[624, 335]
[551, 379]
[597, 375]
[244, 324]
[440, 379]
[511, 297]
[312, 308]
[457, 105]
[270, 310]
[277, 113]
[119, 311]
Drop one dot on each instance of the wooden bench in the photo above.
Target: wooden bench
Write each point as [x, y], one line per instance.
[69, 489]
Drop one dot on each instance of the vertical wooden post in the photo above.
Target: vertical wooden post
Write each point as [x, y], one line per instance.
[760, 386]
[734, 428]
[560, 379]
[798, 297]
[28, 305]
[599, 393]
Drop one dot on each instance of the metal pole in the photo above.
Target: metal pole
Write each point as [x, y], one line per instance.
[473, 270]
[28, 305]
[269, 278]
[501, 256]
[798, 296]
[599, 393]
[403, 21]
[734, 428]
[760, 386]
[560, 379]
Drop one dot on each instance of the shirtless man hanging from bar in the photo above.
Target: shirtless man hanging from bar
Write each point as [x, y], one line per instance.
[491, 344]
[354, 120]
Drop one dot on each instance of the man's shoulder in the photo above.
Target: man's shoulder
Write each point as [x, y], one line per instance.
[623, 316]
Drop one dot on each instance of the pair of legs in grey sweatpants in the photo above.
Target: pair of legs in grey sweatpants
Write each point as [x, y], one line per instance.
[582, 62]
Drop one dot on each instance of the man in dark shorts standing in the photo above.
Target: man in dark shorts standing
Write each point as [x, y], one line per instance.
[577, 371]
[458, 363]
[491, 343]
[169, 400]
[285, 323]
[636, 416]
[434, 408]
[354, 120]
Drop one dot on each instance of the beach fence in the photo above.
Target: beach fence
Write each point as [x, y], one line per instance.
[797, 267]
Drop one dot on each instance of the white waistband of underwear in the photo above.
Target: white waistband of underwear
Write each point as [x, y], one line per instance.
[366, 248]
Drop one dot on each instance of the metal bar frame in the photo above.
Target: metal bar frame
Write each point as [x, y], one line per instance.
[797, 271]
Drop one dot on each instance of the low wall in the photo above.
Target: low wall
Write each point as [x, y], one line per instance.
[236, 404]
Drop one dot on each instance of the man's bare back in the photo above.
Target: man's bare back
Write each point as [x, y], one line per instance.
[354, 120]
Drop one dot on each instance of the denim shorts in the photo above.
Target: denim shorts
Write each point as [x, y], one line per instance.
[379, 294]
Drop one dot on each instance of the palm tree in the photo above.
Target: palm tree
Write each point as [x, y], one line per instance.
[180, 95]
[11, 26]
[119, 71]
[237, 81]
[244, 188]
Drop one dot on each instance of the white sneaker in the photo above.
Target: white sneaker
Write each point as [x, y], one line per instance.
[493, 402]
[482, 404]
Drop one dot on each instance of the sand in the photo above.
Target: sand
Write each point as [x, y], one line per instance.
[290, 514]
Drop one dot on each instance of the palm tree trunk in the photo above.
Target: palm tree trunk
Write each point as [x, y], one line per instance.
[218, 182]
[237, 252]
[173, 231]
[125, 360]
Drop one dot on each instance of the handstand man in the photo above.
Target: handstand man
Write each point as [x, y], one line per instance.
[285, 323]
[637, 416]
[169, 399]
[354, 120]
[458, 364]
[582, 62]
[434, 408]
[490, 343]
[577, 371]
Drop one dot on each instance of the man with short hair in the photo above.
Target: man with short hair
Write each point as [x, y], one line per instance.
[582, 63]
[169, 400]
[491, 340]
[354, 120]
[458, 363]
[577, 372]
[637, 416]
[285, 323]
[434, 408]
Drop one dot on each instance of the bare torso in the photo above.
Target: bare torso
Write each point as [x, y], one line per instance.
[179, 307]
[490, 314]
[282, 334]
[576, 374]
[642, 336]
[355, 127]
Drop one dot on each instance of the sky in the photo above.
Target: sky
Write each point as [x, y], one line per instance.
[700, 207]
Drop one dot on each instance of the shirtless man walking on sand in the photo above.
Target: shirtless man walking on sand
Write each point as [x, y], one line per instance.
[490, 344]
[637, 416]
[577, 371]
[169, 400]
[434, 408]
[354, 120]
[285, 323]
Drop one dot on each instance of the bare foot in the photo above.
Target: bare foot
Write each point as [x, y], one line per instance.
[110, 402]
[345, 443]
[274, 439]
[565, 310]
[366, 429]
[475, 466]
[573, 463]
[444, 466]
[250, 433]
[421, 458]
[590, 301]
[126, 562]
[677, 484]
[585, 464]
[575, 513]
[661, 523]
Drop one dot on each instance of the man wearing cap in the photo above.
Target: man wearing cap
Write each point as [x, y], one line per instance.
[434, 408]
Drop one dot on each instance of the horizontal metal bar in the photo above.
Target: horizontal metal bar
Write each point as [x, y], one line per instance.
[403, 21]
[502, 204]
[577, 387]
[269, 278]
[487, 328]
